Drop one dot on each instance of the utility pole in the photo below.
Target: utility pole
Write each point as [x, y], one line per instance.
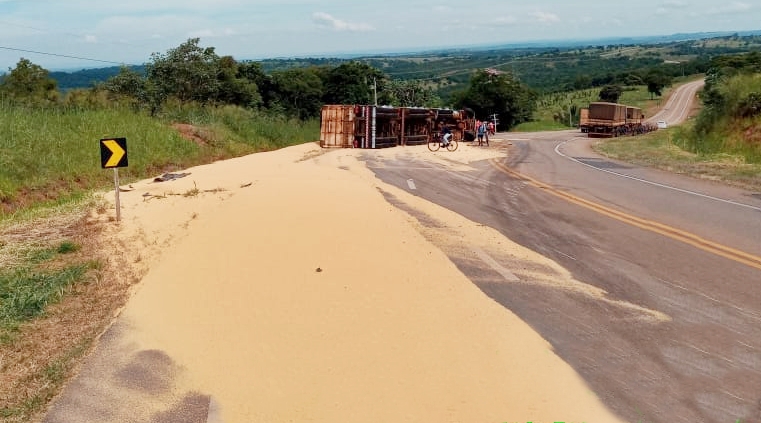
[375, 91]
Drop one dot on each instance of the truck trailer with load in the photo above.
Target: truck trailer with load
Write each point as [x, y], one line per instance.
[605, 120]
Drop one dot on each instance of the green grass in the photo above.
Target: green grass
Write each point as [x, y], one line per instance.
[666, 149]
[49, 155]
[67, 247]
[539, 125]
[24, 293]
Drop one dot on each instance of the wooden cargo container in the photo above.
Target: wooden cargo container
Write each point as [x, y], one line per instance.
[337, 124]
[607, 111]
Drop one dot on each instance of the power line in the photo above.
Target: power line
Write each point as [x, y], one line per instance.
[60, 55]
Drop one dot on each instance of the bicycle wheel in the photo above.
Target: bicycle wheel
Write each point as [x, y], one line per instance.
[434, 145]
[452, 146]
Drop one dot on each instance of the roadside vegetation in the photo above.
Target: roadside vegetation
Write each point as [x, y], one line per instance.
[661, 150]
[722, 143]
[56, 297]
[730, 121]
[59, 288]
[561, 110]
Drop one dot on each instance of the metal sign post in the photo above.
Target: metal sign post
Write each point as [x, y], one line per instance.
[113, 155]
[116, 190]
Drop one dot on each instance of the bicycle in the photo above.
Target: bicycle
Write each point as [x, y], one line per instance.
[435, 143]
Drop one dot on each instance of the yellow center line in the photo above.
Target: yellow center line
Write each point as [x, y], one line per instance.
[649, 225]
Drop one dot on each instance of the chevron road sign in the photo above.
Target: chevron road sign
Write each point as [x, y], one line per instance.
[113, 153]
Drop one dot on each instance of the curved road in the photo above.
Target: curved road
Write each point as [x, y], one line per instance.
[680, 104]
[677, 338]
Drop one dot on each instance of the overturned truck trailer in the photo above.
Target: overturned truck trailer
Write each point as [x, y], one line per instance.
[369, 126]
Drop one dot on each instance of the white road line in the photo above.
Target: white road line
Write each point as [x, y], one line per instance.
[508, 275]
[411, 184]
[735, 396]
[566, 255]
[746, 345]
[645, 181]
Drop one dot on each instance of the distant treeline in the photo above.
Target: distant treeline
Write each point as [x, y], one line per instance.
[87, 78]
[544, 69]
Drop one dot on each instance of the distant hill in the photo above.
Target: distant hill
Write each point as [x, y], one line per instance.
[542, 64]
[616, 41]
[87, 78]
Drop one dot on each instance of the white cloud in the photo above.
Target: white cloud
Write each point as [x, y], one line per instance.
[91, 39]
[545, 17]
[327, 21]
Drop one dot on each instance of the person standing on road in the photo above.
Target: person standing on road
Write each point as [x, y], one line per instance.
[480, 132]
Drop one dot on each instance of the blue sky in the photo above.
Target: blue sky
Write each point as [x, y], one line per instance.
[129, 31]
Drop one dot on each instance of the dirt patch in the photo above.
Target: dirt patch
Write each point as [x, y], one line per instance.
[50, 191]
[752, 135]
[197, 134]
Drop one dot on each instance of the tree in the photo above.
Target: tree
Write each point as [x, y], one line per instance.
[409, 93]
[140, 91]
[582, 82]
[611, 93]
[354, 83]
[253, 72]
[126, 83]
[632, 80]
[187, 72]
[29, 82]
[656, 81]
[234, 87]
[498, 93]
[299, 91]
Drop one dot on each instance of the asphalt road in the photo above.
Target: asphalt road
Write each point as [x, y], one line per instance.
[678, 336]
